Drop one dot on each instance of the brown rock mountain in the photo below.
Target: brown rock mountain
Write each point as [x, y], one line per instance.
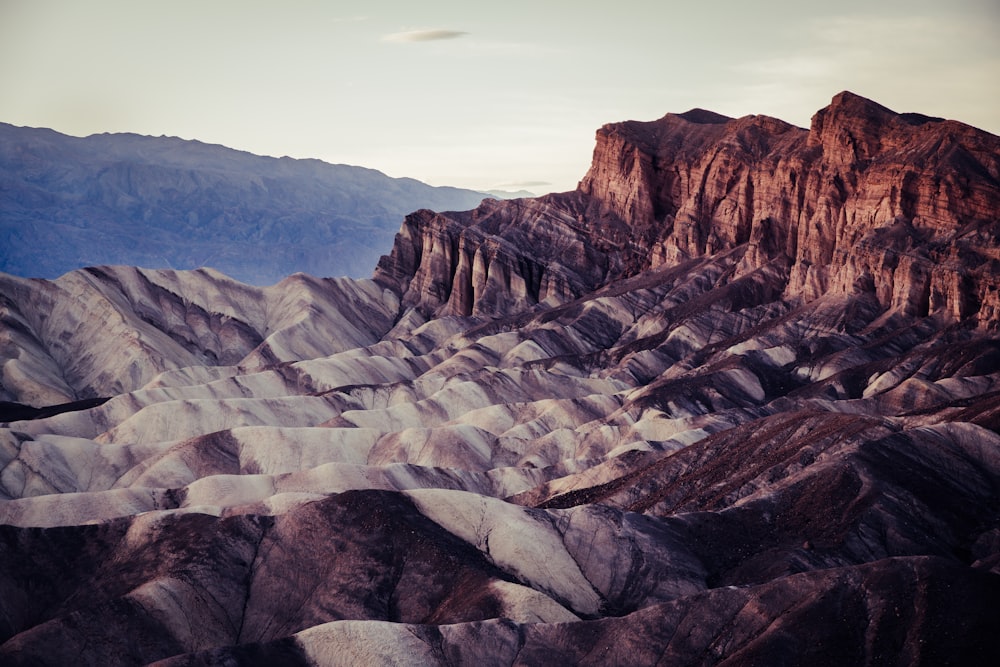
[734, 401]
[868, 200]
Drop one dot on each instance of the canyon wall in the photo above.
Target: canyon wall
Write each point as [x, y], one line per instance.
[866, 200]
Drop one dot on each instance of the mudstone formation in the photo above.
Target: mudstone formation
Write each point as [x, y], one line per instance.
[733, 401]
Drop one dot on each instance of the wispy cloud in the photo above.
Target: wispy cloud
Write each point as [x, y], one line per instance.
[784, 68]
[516, 185]
[423, 35]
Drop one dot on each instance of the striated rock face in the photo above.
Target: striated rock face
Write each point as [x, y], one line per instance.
[671, 418]
[504, 256]
[107, 330]
[900, 204]
[867, 200]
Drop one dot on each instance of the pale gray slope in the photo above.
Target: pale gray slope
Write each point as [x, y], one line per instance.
[313, 402]
[107, 330]
[588, 460]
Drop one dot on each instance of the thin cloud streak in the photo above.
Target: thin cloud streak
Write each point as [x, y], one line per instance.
[423, 35]
[523, 184]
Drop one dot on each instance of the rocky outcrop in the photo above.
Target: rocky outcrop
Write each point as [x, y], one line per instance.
[866, 200]
[503, 257]
[572, 430]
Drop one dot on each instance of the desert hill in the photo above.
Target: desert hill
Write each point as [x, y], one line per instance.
[735, 400]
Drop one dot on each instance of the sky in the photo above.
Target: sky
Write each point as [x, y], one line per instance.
[497, 95]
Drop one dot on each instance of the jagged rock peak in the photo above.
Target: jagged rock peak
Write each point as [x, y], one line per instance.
[704, 117]
[899, 205]
[852, 128]
[826, 199]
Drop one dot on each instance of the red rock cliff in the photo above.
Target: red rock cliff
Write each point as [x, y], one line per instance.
[867, 199]
[903, 204]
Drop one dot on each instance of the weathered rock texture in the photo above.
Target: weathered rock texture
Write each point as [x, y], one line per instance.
[670, 418]
[107, 330]
[867, 200]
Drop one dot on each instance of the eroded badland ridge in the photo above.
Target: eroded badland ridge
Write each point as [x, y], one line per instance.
[735, 400]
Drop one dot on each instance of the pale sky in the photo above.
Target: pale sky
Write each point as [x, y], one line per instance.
[479, 95]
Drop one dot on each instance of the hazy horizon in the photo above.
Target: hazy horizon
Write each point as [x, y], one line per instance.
[452, 94]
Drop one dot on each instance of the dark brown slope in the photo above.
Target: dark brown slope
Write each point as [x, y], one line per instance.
[900, 205]
[802, 491]
[892, 612]
[87, 595]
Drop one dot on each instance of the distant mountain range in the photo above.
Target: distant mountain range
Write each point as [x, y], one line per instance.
[163, 202]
